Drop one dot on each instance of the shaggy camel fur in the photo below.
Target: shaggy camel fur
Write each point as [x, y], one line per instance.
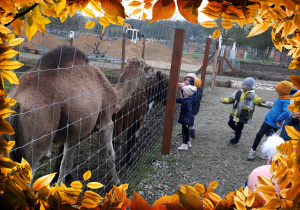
[61, 100]
[130, 118]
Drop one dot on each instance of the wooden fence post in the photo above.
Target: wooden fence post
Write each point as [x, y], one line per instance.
[143, 50]
[205, 61]
[123, 53]
[71, 42]
[214, 71]
[172, 90]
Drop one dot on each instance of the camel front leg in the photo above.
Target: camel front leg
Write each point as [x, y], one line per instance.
[67, 160]
[106, 139]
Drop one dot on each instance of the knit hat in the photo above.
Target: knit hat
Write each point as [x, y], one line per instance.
[192, 75]
[284, 87]
[249, 82]
[196, 82]
[189, 90]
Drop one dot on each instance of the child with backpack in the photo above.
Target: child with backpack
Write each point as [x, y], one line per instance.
[244, 102]
[196, 99]
[186, 114]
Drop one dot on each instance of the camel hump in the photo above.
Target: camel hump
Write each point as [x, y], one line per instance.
[63, 56]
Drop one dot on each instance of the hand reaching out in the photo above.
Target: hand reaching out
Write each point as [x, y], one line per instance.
[222, 100]
[278, 124]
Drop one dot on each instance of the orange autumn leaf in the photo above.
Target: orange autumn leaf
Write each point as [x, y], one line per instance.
[138, 203]
[114, 8]
[159, 12]
[43, 181]
[173, 199]
[136, 11]
[148, 5]
[144, 16]
[295, 80]
[187, 13]
[134, 4]
[216, 34]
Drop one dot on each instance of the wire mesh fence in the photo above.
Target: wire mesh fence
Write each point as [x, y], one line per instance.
[77, 112]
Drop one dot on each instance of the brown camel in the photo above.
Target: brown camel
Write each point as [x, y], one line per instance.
[62, 99]
[149, 93]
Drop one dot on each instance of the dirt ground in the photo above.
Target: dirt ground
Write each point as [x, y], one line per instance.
[210, 158]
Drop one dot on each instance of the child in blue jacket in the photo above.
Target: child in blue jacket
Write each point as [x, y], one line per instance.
[186, 114]
[275, 117]
[196, 99]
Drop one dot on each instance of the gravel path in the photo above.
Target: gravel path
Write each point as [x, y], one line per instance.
[210, 158]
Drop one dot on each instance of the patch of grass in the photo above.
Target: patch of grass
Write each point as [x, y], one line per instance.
[193, 55]
[172, 159]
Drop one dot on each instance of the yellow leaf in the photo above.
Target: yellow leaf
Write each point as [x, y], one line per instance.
[18, 26]
[103, 21]
[136, 11]
[208, 203]
[15, 42]
[9, 65]
[111, 19]
[43, 181]
[95, 6]
[214, 197]
[292, 132]
[240, 196]
[226, 24]
[144, 16]
[211, 14]
[267, 192]
[216, 34]
[94, 185]
[10, 37]
[90, 24]
[7, 162]
[88, 12]
[76, 185]
[258, 29]
[4, 29]
[293, 192]
[250, 199]
[286, 28]
[240, 205]
[88, 203]
[8, 54]
[71, 200]
[159, 12]
[4, 48]
[5, 113]
[92, 195]
[209, 24]
[273, 204]
[148, 5]
[134, 4]
[87, 175]
[241, 23]
[213, 185]
[189, 201]
[30, 31]
[120, 20]
[215, 6]
[200, 188]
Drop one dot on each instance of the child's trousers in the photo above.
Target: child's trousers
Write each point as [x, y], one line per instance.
[238, 128]
[192, 132]
[265, 129]
[185, 133]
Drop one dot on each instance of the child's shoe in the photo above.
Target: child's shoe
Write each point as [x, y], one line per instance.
[189, 144]
[192, 139]
[233, 142]
[252, 155]
[264, 157]
[183, 147]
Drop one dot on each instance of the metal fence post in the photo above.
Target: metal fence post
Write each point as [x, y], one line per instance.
[143, 50]
[214, 71]
[172, 90]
